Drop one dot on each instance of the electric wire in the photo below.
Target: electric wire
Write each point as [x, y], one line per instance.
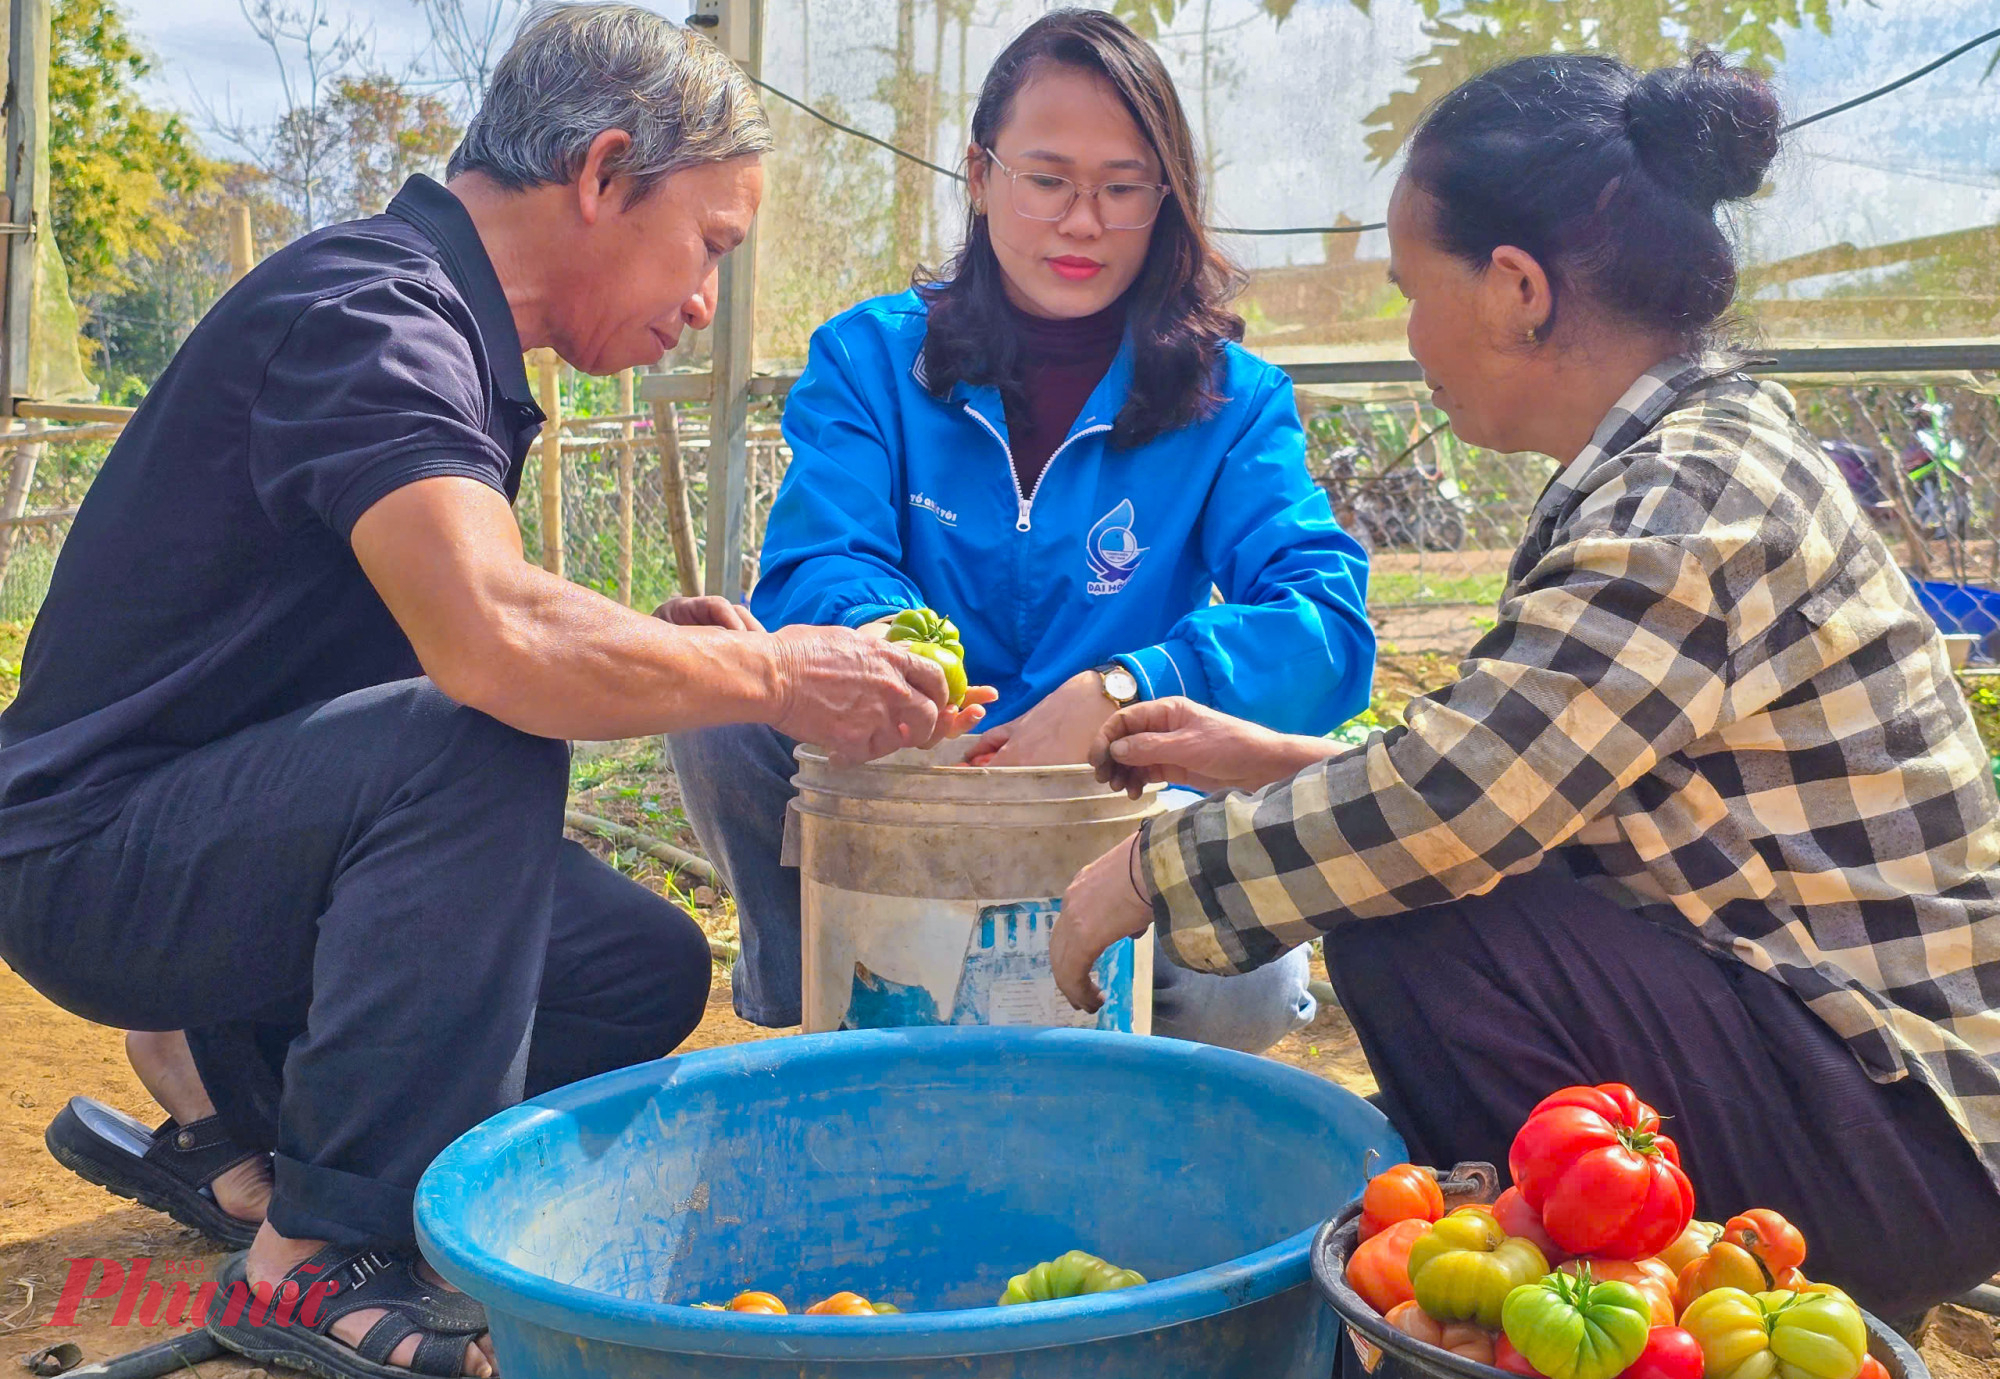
[1960, 51]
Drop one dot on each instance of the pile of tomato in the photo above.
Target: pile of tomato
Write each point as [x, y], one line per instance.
[1070, 1275]
[1592, 1266]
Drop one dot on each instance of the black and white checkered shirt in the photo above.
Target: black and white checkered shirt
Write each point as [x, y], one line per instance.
[1710, 694]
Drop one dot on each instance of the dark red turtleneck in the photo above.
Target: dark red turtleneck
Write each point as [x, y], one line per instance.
[1062, 362]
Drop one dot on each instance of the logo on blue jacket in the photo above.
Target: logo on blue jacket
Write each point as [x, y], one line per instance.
[1112, 550]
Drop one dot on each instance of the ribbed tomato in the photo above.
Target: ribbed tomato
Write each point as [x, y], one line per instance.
[1593, 1162]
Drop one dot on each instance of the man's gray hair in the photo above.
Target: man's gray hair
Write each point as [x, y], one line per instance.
[576, 70]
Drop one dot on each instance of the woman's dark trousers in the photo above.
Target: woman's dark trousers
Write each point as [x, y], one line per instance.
[1472, 1012]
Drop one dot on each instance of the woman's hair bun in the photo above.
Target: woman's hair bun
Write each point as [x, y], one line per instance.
[1707, 130]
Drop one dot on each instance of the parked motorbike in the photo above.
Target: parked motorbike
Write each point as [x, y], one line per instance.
[1411, 505]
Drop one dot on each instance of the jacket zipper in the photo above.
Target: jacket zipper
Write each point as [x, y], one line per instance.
[1024, 503]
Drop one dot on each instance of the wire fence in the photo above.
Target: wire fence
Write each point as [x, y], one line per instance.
[1441, 519]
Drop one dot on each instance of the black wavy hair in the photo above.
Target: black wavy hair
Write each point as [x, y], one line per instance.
[1176, 309]
[1610, 178]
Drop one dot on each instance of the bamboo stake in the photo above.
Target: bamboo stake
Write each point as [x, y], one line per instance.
[673, 489]
[15, 503]
[625, 496]
[242, 249]
[551, 476]
[656, 848]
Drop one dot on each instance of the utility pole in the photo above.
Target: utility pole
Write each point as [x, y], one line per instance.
[27, 137]
[737, 26]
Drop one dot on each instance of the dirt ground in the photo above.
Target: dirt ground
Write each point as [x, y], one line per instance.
[49, 1218]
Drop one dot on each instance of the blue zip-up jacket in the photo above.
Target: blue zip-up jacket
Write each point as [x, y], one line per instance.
[897, 499]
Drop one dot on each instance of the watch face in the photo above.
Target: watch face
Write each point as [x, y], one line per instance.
[1119, 684]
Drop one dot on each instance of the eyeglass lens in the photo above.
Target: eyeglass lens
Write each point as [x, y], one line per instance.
[1122, 205]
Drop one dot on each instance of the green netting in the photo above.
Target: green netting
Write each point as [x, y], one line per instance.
[1879, 225]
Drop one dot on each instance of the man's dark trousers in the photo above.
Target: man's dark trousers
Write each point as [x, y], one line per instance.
[359, 912]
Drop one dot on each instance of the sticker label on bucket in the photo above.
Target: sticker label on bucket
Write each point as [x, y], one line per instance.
[1007, 978]
[949, 963]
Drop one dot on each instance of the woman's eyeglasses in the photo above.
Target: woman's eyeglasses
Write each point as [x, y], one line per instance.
[1045, 196]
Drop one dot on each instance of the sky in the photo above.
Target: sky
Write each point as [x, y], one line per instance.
[1287, 110]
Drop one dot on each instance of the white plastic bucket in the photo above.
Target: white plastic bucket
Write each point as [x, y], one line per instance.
[929, 891]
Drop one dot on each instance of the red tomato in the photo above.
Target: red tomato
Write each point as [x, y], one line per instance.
[1513, 1361]
[1379, 1268]
[1872, 1368]
[1670, 1353]
[1517, 1218]
[1403, 1193]
[1591, 1160]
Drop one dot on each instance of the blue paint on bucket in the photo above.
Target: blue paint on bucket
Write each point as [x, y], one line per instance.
[921, 1167]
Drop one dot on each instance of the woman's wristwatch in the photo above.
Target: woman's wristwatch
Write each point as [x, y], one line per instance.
[1121, 686]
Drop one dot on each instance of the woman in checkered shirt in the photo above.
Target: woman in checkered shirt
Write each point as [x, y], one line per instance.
[1705, 812]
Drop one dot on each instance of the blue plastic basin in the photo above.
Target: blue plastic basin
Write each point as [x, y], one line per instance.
[1962, 608]
[920, 1167]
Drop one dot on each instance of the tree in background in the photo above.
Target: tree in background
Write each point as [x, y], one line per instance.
[137, 329]
[1473, 35]
[467, 38]
[298, 150]
[388, 133]
[115, 162]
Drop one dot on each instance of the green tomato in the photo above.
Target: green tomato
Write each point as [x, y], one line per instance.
[950, 662]
[1463, 1269]
[1570, 1328]
[1069, 1276]
[1777, 1335]
[1815, 1335]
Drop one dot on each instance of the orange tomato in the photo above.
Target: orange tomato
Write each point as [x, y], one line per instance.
[1379, 1268]
[1654, 1280]
[842, 1305]
[1768, 1236]
[753, 1301]
[1872, 1368]
[1403, 1193]
[1691, 1245]
[1460, 1338]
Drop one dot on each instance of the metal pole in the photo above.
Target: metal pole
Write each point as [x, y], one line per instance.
[27, 135]
[552, 472]
[626, 404]
[740, 32]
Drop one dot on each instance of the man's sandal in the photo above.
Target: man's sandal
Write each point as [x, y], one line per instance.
[168, 1169]
[350, 1279]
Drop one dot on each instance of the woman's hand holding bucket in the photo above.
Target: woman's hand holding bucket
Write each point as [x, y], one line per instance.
[1104, 904]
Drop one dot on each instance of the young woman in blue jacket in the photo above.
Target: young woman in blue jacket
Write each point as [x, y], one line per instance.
[1058, 444]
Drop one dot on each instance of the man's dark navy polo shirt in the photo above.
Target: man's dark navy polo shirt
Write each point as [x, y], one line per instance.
[207, 583]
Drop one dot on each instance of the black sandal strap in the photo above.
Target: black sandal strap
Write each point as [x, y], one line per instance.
[440, 1354]
[198, 1152]
[382, 1339]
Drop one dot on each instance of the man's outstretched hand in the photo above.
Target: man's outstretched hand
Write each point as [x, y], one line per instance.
[861, 697]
